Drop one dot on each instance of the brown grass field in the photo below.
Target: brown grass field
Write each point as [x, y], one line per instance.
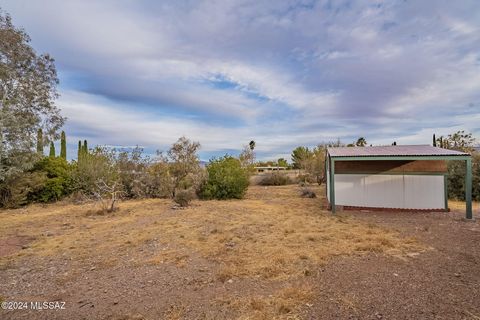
[273, 255]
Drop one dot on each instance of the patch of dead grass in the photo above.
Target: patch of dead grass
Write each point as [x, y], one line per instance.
[456, 205]
[285, 303]
[260, 237]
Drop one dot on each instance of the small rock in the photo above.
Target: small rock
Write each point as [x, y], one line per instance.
[115, 301]
[25, 246]
[92, 268]
[395, 274]
[230, 281]
[457, 275]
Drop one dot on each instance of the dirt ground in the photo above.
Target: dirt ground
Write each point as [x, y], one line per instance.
[273, 255]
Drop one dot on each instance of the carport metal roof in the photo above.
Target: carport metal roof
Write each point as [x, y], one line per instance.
[389, 151]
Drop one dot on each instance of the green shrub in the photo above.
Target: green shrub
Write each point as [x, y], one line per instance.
[58, 182]
[456, 180]
[275, 179]
[17, 189]
[96, 166]
[226, 179]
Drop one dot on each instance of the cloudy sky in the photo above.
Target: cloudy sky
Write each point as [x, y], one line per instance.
[284, 73]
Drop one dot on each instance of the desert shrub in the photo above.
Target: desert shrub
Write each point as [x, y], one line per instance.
[226, 179]
[183, 197]
[52, 190]
[50, 179]
[183, 162]
[58, 182]
[17, 188]
[306, 178]
[96, 165]
[157, 182]
[97, 176]
[275, 179]
[307, 193]
[311, 161]
[132, 169]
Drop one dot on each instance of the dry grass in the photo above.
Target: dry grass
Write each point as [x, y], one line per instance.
[460, 205]
[285, 303]
[273, 234]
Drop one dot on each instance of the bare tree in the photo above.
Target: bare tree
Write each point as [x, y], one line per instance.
[107, 194]
[247, 156]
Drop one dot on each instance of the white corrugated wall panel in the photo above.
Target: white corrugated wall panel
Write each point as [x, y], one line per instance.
[390, 191]
[424, 192]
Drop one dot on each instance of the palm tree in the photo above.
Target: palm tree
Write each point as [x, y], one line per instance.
[361, 142]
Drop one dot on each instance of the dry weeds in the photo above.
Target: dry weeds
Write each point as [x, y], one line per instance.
[273, 234]
[286, 303]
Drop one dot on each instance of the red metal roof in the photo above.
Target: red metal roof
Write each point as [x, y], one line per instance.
[389, 151]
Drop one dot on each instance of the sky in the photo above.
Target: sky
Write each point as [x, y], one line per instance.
[282, 73]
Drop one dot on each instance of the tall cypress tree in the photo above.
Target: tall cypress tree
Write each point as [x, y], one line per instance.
[40, 141]
[63, 146]
[79, 153]
[52, 150]
[85, 147]
[434, 141]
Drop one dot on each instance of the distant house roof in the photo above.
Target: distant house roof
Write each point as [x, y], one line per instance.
[392, 151]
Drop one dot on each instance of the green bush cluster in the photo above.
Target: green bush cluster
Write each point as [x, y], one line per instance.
[226, 179]
[57, 182]
[49, 180]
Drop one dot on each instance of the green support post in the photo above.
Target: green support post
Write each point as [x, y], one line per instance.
[468, 189]
[332, 184]
[445, 191]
